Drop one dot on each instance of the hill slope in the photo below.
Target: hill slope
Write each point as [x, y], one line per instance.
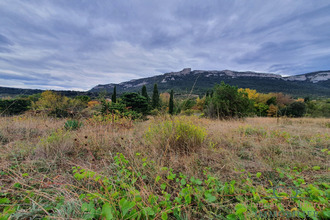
[12, 92]
[310, 84]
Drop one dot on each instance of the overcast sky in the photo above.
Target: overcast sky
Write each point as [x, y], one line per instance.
[64, 44]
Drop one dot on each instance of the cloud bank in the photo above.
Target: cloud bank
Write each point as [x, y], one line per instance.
[79, 44]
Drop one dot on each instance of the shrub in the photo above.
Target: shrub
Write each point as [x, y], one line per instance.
[57, 144]
[178, 135]
[227, 102]
[188, 112]
[14, 106]
[72, 125]
[155, 112]
[135, 102]
[3, 139]
[297, 109]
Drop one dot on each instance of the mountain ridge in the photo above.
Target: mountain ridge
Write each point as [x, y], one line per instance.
[313, 83]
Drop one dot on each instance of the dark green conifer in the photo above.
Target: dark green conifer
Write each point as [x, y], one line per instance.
[145, 93]
[114, 95]
[155, 97]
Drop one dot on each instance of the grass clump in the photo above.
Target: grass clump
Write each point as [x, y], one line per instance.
[72, 125]
[178, 135]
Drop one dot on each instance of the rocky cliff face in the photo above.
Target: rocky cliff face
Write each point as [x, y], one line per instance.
[314, 77]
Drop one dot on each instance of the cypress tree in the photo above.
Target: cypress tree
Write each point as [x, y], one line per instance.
[114, 95]
[144, 92]
[171, 104]
[155, 97]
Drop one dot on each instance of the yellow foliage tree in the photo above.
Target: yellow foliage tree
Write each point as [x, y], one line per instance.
[272, 111]
[92, 103]
[252, 93]
[262, 98]
[200, 103]
[51, 101]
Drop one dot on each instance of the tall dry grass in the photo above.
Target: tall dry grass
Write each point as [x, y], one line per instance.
[40, 148]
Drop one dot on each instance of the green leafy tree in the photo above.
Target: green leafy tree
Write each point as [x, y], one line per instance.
[83, 98]
[171, 103]
[261, 109]
[155, 97]
[14, 106]
[105, 107]
[102, 95]
[114, 95]
[272, 101]
[57, 105]
[296, 109]
[228, 102]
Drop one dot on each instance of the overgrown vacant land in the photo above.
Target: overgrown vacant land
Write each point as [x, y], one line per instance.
[164, 168]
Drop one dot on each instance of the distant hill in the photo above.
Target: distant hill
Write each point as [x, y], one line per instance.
[7, 91]
[309, 84]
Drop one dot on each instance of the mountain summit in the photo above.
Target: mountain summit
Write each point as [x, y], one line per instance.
[199, 81]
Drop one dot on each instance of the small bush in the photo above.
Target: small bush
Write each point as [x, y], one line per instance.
[72, 125]
[3, 139]
[55, 145]
[179, 135]
[250, 131]
[188, 112]
[155, 112]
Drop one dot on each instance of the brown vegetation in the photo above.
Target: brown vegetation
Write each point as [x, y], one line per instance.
[42, 149]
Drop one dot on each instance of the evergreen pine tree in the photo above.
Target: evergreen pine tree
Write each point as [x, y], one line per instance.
[155, 97]
[145, 93]
[114, 95]
[171, 104]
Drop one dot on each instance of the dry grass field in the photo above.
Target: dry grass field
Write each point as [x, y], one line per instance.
[164, 168]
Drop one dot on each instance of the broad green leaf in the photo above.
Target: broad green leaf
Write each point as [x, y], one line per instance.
[148, 211]
[240, 208]
[164, 216]
[316, 168]
[125, 206]
[307, 207]
[4, 201]
[183, 182]
[326, 214]
[107, 211]
[84, 207]
[258, 175]
[163, 186]
[231, 217]
[209, 197]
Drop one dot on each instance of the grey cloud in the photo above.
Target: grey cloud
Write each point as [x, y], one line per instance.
[5, 41]
[78, 44]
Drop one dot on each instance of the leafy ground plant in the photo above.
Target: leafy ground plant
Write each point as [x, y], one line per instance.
[72, 125]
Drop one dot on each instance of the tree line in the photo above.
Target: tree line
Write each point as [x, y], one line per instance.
[222, 102]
